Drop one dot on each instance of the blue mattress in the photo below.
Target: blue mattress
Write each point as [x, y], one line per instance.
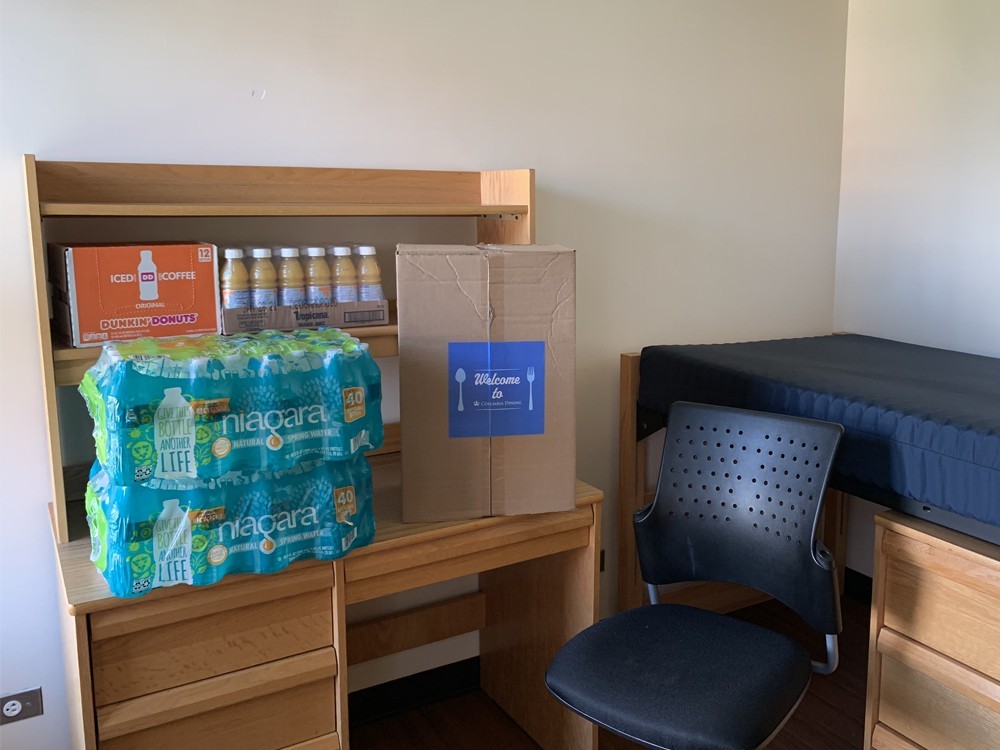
[921, 424]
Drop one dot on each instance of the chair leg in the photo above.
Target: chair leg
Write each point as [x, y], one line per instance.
[654, 593]
[832, 656]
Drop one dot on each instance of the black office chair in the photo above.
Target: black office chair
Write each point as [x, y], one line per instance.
[737, 500]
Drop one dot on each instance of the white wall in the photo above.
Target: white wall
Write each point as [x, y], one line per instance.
[918, 252]
[689, 151]
[918, 249]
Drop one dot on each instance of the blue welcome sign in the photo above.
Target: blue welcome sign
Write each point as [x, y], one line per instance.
[496, 389]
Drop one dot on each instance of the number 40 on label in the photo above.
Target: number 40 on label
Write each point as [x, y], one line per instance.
[354, 403]
[346, 502]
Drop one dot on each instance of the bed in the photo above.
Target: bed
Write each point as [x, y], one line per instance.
[922, 425]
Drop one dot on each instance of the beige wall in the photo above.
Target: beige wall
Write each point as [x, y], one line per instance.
[918, 253]
[689, 151]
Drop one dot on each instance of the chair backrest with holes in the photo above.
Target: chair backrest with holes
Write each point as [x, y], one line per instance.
[738, 500]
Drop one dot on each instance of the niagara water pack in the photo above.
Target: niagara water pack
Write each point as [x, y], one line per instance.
[104, 292]
[202, 407]
[196, 531]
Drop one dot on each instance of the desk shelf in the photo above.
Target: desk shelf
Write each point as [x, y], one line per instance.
[512, 212]
[69, 363]
[502, 202]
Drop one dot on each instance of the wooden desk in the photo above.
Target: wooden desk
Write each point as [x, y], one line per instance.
[162, 669]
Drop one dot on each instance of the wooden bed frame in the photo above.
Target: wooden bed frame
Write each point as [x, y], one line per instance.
[633, 494]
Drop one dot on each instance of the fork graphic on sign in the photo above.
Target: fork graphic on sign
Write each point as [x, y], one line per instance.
[531, 380]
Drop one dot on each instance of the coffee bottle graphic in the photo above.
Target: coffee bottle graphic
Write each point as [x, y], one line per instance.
[172, 545]
[148, 289]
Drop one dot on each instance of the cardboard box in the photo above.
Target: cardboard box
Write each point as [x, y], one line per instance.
[107, 293]
[487, 371]
[343, 315]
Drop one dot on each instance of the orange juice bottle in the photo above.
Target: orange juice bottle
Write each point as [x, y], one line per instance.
[318, 289]
[235, 281]
[369, 275]
[344, 276]
[263, 280]
[291, 279]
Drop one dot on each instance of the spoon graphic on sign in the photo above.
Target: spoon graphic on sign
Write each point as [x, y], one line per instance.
[460, 378]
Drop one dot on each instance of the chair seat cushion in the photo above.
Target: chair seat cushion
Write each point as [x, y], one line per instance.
[681, 678]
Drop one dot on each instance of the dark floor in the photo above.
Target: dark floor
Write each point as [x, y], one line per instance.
[470, 721]
[830, 717]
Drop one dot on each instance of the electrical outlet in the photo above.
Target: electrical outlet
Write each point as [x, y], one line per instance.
[23, 705]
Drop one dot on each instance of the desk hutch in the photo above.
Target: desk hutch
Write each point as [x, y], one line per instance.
[261, 661]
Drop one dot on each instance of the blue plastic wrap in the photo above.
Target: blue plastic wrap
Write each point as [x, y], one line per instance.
[205, 406]
[193, 531]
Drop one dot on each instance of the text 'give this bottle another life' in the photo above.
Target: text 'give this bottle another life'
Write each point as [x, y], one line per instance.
[174, 436]
[172, 545]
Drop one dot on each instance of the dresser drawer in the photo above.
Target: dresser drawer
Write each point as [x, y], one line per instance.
[277, 705]
[943, 600]
[932, 715]
[884, 738]
[152, 646]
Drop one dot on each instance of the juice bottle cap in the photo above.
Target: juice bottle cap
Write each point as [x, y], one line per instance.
[289, 252]
[316, 252]
[366, 250]
[233, 252]
[341, 250]
[262, 252]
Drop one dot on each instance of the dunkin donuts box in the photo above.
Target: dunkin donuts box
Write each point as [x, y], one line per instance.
[104, 293]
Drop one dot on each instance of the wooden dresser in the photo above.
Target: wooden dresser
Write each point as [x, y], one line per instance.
[934, 653]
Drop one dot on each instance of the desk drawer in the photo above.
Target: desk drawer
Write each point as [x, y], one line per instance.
[945, 601]
[278, 705]
[174, 641]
